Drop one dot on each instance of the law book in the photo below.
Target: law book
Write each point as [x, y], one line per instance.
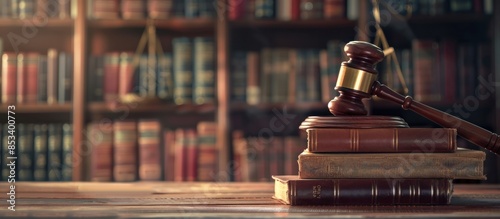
[126, 74]
[65, 72]
[183, 70]
[253, 93]
[160, 9]
[207, 9]
[427, 80]
[26, 8]
[449, 68]
[125, 151]
[168, 154]
[42, 80]
[265, 9]
[463, 164]
[25, 151]
[144, 73]
[54, 155]
[40, 152]
[324, 79]
[284, 10]
[67, 152]
[165, 84]
[22, 79]
[95, 78]
[180, 155]
[191, 150]
[204, 70]
[292, 190]
[28, 69]
[149, 150]
[311, 9]
[266, 72]
[5, 9]
[52, 72]
[105, 9]
[9, 77]
[133, 9]
[292, 75]
[334, 9]
[100, 137]
[313, 90]
[65, 9]
[207, 159]
[236, 9]
[240, 158]
[383, 140]
[335, 51]
[238, 76]
[111, 76]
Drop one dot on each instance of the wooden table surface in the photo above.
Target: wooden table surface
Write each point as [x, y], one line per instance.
[216, 200]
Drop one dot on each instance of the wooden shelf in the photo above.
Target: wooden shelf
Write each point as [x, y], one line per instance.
[306, 106]
[102, 107]
[38, 108]
[170, 24]
[300, 24]
[18, 23]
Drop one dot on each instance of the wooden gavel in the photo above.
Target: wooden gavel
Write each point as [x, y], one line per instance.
[358, 79]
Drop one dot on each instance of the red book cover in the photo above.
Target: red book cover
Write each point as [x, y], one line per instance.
[180, 155]
[191, 155]
[31, 69]
[295, 9]
[22, 79]
[126, 73]
[100, 136]
[236, 9]
[149, 150]
[207, 151]
[168, 155]
[9, 77]
[334, 9]
[111, 76]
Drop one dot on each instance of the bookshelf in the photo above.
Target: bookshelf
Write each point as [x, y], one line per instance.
[85, 37]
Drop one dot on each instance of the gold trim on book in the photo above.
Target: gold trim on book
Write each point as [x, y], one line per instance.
[355, 79]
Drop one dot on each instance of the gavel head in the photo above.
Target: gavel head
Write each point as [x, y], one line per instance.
[356, 77]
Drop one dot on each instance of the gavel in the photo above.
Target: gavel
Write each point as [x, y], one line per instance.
[358, 80]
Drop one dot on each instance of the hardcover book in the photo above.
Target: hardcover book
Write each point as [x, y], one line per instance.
[426, 140]
[463, 164]
[292, 190]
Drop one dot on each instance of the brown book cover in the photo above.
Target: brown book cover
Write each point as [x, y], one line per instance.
[105, 9]
[52, 70]
[111, 76]
[125, 151]
[463, 164]
[180, 155]
[22, 79]
[383, 140]
[9, 78]
[191, 149]
[240, 158]
[133, 9]
[292, 190]
[427, 80]
[160, 9]
[311, 9]
[168, 154]
[207, 151]
[149, 150]
[126, 74]
[100, 136]
[334, 9]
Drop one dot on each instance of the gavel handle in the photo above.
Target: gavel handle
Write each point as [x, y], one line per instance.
[475, 134]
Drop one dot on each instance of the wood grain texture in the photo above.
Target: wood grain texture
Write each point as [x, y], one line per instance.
[217, 200]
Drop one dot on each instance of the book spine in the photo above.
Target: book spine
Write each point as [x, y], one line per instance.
[240, 151]
[264, 9]
[180, 155]
[169, 154]
[96, 78]
[40, 152]
[178, 8]
[126, 74]
[149, 150]
[207, 152]
[370, 192]
[191, 149]
[204, 70]
[325, 82]
[427, 83]
[105, 9]
[334, 9]
[295, 9]
[125, 151]
[22, 79]
[111, 76]
[236, 9]
[101, 158]
[239, 77]
[54, 156]
[427, 140]
[143, 79]
[334, 55]
[253, 89]
[313, 75]
[26, 8]
[32, 66]
[133, 9]
[267, 72]
[25, 154]
[449, 69]
[65, 9]
[192, 8]
[160, 9]
[63, 82]
[5, 148]
[311, 9]
[165, 88]
[67, 152]
[183, 70]
[292, 77]
[207, 9]
[465, 165]
[52, 71]
[9, 77]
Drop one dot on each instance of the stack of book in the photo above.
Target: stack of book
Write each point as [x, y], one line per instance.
[377, 161]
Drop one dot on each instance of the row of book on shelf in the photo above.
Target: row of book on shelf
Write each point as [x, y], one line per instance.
[187, 75]
[288, 10]
[32, 77]
[24, 9]
[156, 9]
[440, 7]
[434, 71]
[44, 152]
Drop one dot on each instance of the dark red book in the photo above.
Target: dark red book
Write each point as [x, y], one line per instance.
[334, 9]
[125, 151]
[180, 155]
[9, 79]
[382, 140]
[295, 7]
[427, 83]
[236, 9]
[160, 9]
[191, 155]
[207, 151]
[22, 79]
[126, 74]
[101, 161]
[449, 67]
[292, 190]
[168, 155]
[133, 9]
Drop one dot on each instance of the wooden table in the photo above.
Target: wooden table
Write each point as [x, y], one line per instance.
[215, 200]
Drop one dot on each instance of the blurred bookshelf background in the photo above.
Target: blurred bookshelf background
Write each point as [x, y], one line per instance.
[214, 90]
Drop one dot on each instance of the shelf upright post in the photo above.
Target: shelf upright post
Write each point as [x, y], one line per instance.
[79, 68]
[222, 118]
